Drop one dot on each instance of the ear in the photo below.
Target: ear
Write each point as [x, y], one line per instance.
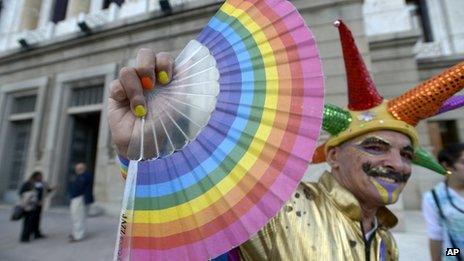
[332, 157]
[446, 165]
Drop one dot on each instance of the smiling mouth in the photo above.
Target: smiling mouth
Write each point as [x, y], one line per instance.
[384, 174]
[388, 180]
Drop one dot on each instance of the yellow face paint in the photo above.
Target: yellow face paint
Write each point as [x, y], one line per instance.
[388, 192]
[382, 191]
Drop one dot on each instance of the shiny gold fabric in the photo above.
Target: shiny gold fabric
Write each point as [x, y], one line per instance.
[322, 221]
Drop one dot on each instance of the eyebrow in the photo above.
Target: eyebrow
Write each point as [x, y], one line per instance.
[373, 139]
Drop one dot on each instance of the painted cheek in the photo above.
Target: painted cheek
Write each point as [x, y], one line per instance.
[359, 155]
[363, 151]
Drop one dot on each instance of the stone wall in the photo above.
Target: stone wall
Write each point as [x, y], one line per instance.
[53, 66]
[98, 57]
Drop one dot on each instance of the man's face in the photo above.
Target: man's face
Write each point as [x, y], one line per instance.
[374, 167]
[38, 178]
[80, 168]
[458, 169]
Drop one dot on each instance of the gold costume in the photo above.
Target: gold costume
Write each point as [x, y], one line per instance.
[322, 221]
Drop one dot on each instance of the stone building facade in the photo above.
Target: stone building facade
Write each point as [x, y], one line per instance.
[58, 57]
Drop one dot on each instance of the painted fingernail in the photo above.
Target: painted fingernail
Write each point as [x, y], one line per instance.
[140, 111]
[163, 77]
[147, 83]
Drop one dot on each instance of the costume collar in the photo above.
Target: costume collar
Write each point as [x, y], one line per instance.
[346, 202]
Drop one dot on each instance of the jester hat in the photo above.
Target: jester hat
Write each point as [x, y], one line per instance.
[369, 111]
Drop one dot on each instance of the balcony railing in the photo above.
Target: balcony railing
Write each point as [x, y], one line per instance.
[69, 26]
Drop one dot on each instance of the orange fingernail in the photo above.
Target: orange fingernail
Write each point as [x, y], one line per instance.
[147, 83]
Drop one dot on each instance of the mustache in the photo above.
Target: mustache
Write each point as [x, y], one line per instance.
[385, 172]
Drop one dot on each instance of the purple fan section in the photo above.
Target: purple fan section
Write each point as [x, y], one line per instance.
[452, 103]
[195, 151]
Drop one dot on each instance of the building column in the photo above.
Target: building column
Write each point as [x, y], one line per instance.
[439, 25]
[453, 15]
[45, 13]
[75, 7]
[383, 17]
[30, 14]
[96, 6]
[8, 22]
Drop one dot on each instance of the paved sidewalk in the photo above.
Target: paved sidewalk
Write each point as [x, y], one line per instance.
[102, 235]
[56, 224]
[413, 243]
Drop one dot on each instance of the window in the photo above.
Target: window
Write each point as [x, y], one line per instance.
[24, 104]
[442, 134]
[20, 132]
[107, 3]
[421, 18]
[22, 107]
[1, 9]
[86, 96]
[59, 10]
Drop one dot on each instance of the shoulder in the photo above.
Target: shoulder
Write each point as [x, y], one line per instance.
[438, 189]
[27, 185]
[305, 200]
[430, 209]
[305, 196]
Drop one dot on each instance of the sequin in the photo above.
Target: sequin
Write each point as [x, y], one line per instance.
[334, 215]
[426, 99]
[335, 119]
[366, 116]
[362, 93]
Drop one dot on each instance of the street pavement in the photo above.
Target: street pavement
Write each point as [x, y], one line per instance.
[99, 243]
[56, 225]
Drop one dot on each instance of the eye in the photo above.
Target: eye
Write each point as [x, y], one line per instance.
[374, 147]
[407, 155]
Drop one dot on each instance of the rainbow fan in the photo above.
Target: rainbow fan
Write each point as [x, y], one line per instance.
[234, 133]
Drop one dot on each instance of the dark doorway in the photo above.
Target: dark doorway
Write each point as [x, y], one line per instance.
[15, 162]
[83, 141]
[442, 134]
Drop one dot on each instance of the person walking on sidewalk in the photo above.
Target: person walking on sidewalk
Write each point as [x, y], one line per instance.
[80, 182]
[42, 189]
[28, 197]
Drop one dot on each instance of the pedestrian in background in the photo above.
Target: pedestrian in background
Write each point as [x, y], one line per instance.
[443, 206]
[81, 182]
[42, 188]
[91, 209]
[29, 198]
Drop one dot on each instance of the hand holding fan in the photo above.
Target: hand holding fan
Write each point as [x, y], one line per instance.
[232, 134]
